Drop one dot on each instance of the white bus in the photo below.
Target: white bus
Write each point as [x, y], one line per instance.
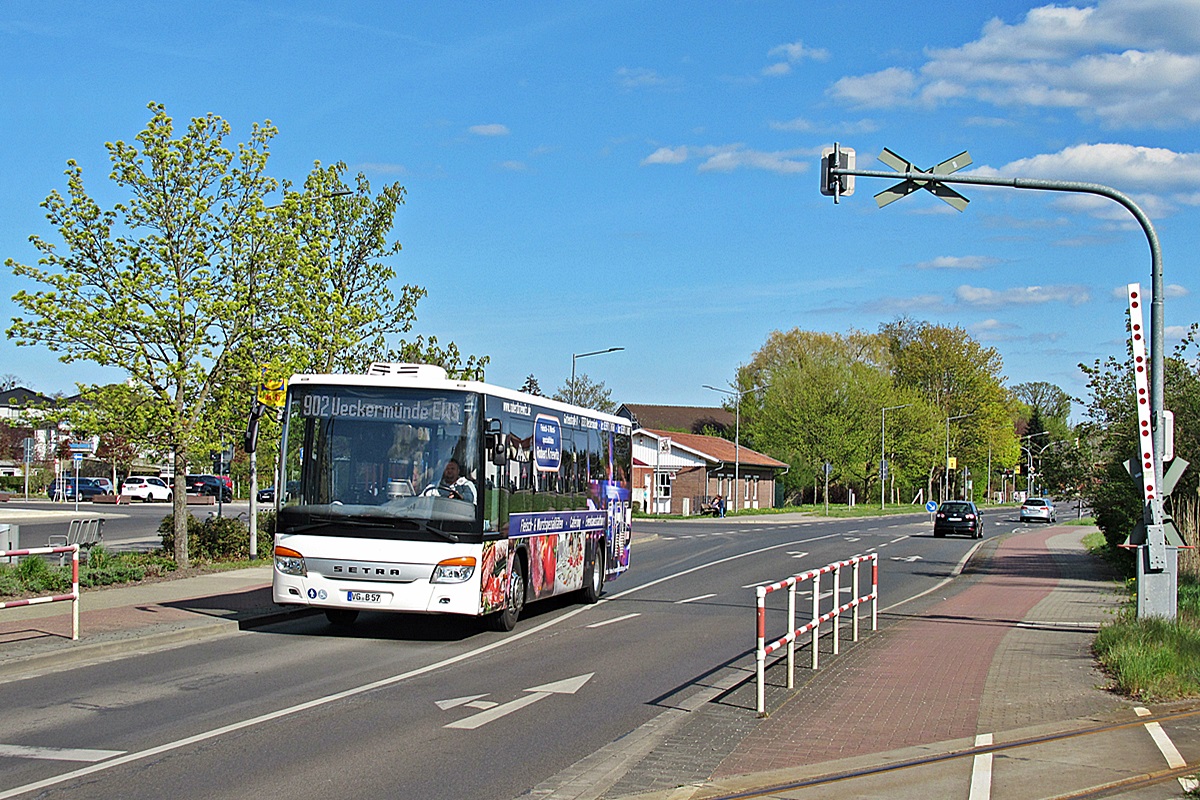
[411, 492]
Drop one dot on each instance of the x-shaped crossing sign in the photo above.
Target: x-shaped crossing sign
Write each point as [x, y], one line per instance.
[909, 185]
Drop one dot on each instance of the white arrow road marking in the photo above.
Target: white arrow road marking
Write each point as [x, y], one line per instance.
[566, 686]
[909, 559]
[57, 753]
[614, 619]
[795, 554]
[852, 538]
[694, 599]
[471, 701]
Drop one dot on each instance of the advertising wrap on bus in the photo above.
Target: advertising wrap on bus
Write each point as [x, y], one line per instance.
[414, 493]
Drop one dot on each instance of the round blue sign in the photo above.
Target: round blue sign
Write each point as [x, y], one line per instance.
[931, 506]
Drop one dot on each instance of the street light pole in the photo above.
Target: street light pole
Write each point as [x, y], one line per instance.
[883, 453]
[573, 392]
[1029, 472]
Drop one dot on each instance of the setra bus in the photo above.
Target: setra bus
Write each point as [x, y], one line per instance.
[408, 491]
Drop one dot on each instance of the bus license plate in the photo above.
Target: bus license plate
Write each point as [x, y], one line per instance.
[364, 597]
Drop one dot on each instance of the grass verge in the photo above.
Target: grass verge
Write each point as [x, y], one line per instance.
[1151, 659]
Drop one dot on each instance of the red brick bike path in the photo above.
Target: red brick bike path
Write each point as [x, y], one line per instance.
[919, 681]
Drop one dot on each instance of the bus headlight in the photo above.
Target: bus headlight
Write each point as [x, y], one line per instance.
[289, 562]
[454, 570]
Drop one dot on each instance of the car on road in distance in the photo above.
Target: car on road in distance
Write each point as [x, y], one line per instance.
[958, 516]
[64, 488]
[146, 488]
[1038, 508]
[211, 485]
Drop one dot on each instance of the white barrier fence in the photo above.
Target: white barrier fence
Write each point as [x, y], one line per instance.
[73, 549]
[814, 623]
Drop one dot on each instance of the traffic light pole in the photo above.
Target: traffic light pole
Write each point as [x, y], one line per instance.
[1158, 563]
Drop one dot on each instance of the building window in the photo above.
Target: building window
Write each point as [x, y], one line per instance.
[662, 484]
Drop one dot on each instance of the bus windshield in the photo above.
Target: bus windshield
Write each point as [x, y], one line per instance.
[381, 462]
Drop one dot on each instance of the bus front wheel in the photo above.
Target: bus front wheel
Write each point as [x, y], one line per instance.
[514, 599]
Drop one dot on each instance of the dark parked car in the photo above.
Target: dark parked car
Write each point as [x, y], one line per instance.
[210, 485]
[64, 488]
[958, 516]
[267, 495]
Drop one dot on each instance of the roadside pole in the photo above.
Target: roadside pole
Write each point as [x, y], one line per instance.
[1156, 557]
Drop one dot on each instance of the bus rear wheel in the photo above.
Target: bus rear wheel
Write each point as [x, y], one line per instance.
[341, 617]
[594, 583]
[514, 600]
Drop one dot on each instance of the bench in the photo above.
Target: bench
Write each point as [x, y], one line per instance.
[4, 496]
[87, 533]
[709, 509]
[201, 499]
[112, 499]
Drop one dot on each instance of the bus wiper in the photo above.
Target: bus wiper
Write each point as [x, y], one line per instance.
[447, 535]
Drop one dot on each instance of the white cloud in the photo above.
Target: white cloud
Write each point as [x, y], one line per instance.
[959, 262]
[667, 155]
[990, 325]
[791, 54]
[796, 51]
[802, 125]
[513, 166]
[1126, 63]
[494, 129]
[884, 89]
[640, 78]
[1022, 295]
[1169, 290]
[1111, 164]
[1176, 331]
[730, 157]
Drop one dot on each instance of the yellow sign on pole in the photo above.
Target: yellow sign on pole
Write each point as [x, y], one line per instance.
[273, 393]
[952, 462]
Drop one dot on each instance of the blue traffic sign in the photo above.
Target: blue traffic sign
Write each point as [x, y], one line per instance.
[931, 506]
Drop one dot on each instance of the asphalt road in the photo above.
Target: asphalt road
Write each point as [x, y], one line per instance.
[432, 707]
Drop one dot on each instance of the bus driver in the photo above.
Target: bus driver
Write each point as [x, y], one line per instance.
[452, 484]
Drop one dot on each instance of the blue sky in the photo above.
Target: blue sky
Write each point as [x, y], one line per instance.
[645, 175]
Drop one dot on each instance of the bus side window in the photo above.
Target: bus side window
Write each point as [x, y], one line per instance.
[495, 489]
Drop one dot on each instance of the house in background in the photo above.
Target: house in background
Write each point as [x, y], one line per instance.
[28, 415]
[676, 473]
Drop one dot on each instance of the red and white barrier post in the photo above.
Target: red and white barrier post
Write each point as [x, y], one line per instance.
[73, 549]
[765, 648]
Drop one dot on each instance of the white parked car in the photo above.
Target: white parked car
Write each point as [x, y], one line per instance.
[146, 488]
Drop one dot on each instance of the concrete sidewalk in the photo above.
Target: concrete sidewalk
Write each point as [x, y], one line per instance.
[1005, 647]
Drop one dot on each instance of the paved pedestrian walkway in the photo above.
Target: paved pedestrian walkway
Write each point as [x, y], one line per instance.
[1005, 647]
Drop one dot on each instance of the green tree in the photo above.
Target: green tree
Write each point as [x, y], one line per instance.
[823, 403]
[584, 392]
[961, 379]
[151, 285]
[531, 386]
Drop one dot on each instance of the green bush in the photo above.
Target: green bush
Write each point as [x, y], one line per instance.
[220, 538]
[36, 576]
